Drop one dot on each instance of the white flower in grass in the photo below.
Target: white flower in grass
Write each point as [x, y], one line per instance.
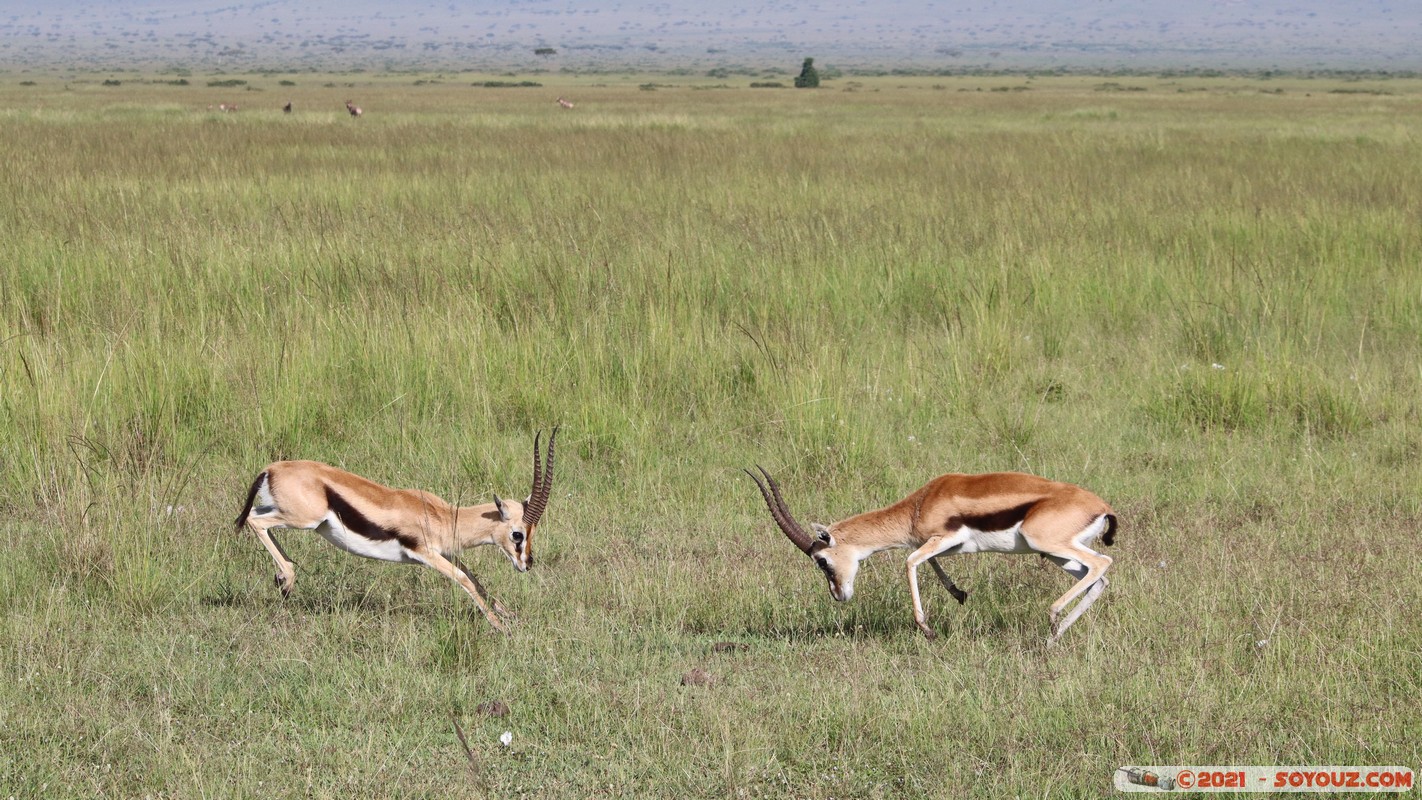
[506, 738]
[1217, 366]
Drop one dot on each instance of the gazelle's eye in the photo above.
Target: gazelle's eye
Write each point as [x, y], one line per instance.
[518, 537]
[824, 565]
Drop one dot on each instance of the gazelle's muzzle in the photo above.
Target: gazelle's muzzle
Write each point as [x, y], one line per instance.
[520, 558]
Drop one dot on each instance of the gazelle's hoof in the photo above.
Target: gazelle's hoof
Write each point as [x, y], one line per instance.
[1056, 634]
[928, 633]
[503, 613]
[283, 584]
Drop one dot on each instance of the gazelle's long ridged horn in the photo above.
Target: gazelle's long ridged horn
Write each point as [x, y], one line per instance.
[542, 481]
[780, 513]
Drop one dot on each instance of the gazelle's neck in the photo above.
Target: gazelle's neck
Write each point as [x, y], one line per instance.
[881, 529]
[474, 525]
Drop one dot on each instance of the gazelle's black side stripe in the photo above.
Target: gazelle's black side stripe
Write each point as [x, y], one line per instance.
[994, 521]
[363, 525]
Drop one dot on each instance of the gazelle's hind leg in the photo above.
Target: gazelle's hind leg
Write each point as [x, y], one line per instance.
[1055, 531]
[1086, 600]
[286, 570]
[1089, 567]
[465, 581]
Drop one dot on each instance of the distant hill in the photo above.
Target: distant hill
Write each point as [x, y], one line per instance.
[713, 34]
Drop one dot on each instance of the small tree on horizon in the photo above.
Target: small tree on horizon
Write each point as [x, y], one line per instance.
[808, 77]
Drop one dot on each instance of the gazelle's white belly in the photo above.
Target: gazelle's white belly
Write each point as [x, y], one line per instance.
[1010, 540]
[339, 535]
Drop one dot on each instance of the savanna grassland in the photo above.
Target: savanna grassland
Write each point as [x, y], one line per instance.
[1200, 298]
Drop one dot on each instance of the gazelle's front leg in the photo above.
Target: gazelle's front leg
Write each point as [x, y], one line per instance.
[461, 577]
[286, 570]
[958, 594]
[492, 601]
[931, 548]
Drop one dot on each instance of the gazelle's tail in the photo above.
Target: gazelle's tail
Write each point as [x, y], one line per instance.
[252, 497]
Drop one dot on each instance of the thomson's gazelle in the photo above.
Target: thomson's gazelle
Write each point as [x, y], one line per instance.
[406, 526]
[1000, 512]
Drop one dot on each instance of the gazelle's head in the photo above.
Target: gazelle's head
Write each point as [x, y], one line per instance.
[517, 521]
[838, 561]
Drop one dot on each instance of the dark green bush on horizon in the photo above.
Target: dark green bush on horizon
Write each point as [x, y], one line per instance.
[808, 77]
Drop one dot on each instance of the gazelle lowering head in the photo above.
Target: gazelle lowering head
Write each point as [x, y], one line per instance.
[405, 526]
[1000, 512]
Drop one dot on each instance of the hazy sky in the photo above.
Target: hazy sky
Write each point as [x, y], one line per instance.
[1379, 34]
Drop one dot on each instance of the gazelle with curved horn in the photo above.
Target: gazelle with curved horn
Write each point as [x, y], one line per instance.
[1000, 512]
[406, 526]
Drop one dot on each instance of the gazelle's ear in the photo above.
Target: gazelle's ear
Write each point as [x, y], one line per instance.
[822, 533]
[503, 509]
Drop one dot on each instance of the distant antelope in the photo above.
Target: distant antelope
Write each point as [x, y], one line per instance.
[354, 110]
[1001, 512]
[226, 107]
[564, 103]
[286, 109]
[401, 525]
